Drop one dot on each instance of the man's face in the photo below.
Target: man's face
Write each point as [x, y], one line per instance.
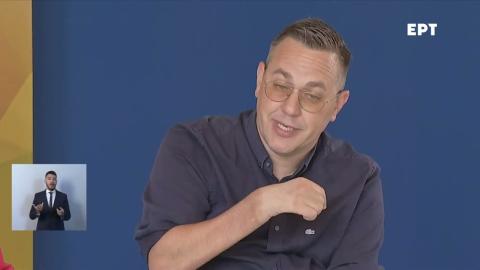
[51, 181]
[285, 128]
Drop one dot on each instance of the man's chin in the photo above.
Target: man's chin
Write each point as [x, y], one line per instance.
[282, 149]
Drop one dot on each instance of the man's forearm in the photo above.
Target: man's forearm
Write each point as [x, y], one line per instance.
[192, 245]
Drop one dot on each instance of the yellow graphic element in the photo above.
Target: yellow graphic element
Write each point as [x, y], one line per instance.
[16, 120]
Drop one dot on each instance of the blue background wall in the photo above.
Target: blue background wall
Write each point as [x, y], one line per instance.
[110, 78]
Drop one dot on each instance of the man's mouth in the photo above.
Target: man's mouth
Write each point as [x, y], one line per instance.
[285, 127]
[284, 130]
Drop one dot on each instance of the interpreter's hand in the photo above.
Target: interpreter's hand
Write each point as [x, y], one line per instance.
[60, 212]
[299, 196]
[38, 208]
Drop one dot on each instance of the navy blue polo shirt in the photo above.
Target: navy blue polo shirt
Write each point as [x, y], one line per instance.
[205, 167]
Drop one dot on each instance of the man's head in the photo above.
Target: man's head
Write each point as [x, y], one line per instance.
[51, 180]
[300, 87]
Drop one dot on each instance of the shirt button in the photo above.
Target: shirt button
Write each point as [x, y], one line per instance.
[268, 164]
[277, 228]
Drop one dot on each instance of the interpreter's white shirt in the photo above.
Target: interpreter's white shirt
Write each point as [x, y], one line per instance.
[53, 196]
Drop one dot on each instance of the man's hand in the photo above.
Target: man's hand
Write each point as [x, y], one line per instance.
[60, 212]
[38, 208]
[299, 196]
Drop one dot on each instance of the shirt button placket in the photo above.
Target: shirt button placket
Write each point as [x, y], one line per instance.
[275, 234]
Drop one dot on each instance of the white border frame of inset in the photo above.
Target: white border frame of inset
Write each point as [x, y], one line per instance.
[28, 179]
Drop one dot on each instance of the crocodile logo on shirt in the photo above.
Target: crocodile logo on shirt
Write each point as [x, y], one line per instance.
[309, 231]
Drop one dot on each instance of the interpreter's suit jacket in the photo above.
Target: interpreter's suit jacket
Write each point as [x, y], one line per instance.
[48, 219]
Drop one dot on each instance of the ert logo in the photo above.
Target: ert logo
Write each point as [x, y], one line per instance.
[418, 29]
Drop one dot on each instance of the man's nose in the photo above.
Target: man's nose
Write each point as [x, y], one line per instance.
[291, 106]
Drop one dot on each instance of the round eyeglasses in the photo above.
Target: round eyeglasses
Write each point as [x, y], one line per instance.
[310, 100]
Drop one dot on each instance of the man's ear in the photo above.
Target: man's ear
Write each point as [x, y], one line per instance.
[260, 73]
[340, 101]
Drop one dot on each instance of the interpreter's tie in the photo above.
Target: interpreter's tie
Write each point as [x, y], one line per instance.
[50, 202]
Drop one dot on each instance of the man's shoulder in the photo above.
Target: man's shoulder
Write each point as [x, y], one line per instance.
[343, 151]
[212, 124]
[207, 128]
[40, 193]
[61, 194]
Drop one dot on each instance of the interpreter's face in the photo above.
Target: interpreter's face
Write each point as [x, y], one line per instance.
[285, 128]
[51, 181]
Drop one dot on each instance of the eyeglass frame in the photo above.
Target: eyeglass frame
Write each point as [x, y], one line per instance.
[292, 88]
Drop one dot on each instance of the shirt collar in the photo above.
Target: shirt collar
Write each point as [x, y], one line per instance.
[48, 191]
[261, 154]
[254, 140]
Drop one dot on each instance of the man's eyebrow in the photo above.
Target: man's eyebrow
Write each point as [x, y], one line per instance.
[313, 84]
[283, 73]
